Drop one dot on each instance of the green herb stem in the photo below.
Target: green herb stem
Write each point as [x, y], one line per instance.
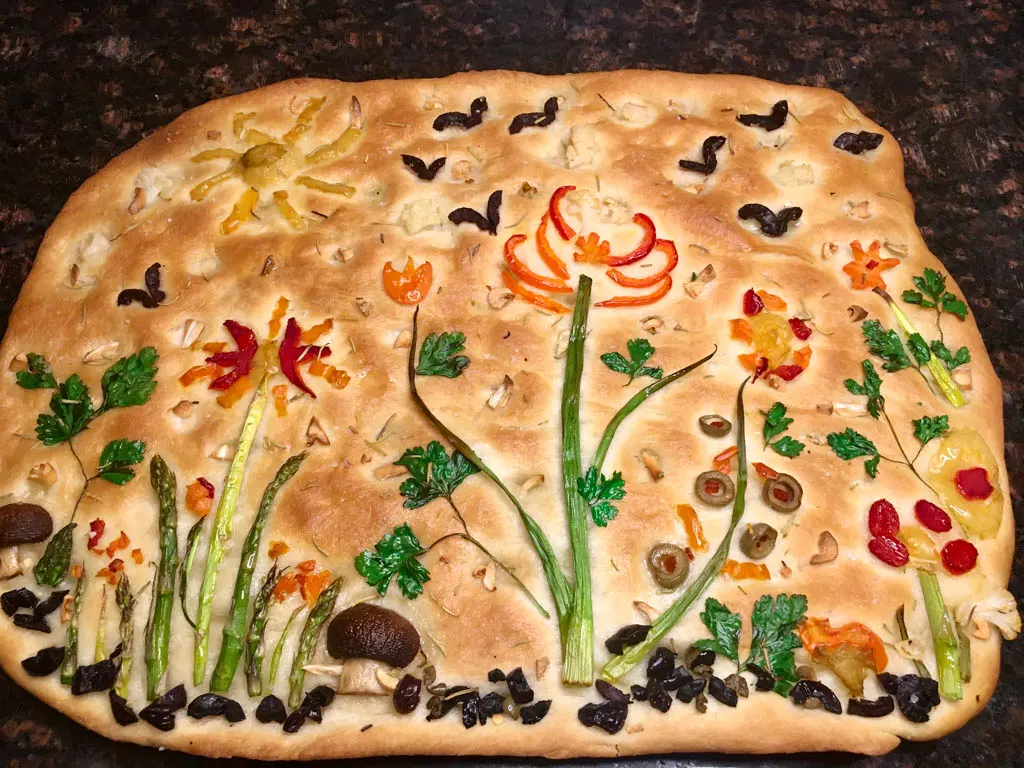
[315, 621]
[158, 631]
[944, 637]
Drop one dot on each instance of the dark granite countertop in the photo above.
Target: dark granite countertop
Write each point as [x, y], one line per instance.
[80, 85]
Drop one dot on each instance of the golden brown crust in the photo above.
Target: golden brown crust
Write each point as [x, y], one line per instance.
[642, 124]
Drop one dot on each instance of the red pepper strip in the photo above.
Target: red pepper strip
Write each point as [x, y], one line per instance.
[669, 248]
[646, 245]
[567, 232]
[637, 301]
[288, 353]
[787, 372]
[529, 296]
[526, 274]
[240, 359]
[547, 254]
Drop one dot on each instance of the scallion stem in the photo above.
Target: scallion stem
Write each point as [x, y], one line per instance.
[947, 654]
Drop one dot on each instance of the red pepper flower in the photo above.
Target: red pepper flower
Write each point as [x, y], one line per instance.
[240, 360]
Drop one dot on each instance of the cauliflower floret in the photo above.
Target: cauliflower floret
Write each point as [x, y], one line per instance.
[420, 215]
[998, 609]
[154, 183]
[582, 146]
[792, 174]
[92, 250]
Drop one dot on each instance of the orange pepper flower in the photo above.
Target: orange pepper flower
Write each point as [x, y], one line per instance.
[638, 301]
[337, 378]
[137, 556]
[198, 499]
[765, 471]
[818, 634]
[527, 275]
[694, 530]
[740, 328]
[311, 586]
[865, 271]
[280, 392]
[121, 542]
[802, 357]
[723, 461]
[306, 566]
[547, 253]
[772, 302]
[592, 249]
[410, 286]
[529, 296]
[234, 393]
[277, 548]
[197, 372]
[310, 335]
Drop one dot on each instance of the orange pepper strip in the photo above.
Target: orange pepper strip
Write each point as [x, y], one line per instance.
[286, 585]
[197, 372]
[865, 271]
[723, 461]
[818, 633]
[316, 367]
[740, 328]
[802, 357]
[198, 499]
[669, 249]
[547, 253]
[530, 297]
[311, 586]
[234, 393]
[280, 392]
[566, 232]
[527, 275]
[749, 361]
[650, 237]
[213, 347]
[277, 548]
[755, 571]
[275, 319]
[121, 542]
[411, 285]
[337, 378]
[137, 556]
[306, 566]
[310, 335]
[638, 301]
[694, 530]
[772, 302]
[765, 471]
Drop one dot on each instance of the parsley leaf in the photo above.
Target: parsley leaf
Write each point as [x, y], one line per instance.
[962, 356]
[849, 444]
[886, 345]
[919, 348]
[37, 375]
[725, 626]
[927, 428]
[117, 459]
[439, 355]
[871, 388]
[129, 381]
[932, 294]
[434, 474]
[395, 555]
[775, 423]
[599, 492]
[72, 412]
[640, 351]
[773, 640]
[953, 305]
[788, 447]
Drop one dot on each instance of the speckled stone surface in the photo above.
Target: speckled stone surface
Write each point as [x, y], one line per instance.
[81, 82]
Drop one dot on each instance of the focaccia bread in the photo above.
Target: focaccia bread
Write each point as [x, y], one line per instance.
[240, 288]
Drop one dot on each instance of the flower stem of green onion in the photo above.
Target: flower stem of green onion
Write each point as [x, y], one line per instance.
[947, 653]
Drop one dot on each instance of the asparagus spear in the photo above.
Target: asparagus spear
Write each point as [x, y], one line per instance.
[257, 628]
[947, 654]
[234, 627]
[191, 545]
[221, 533]
[307, 640]
[101, 630]
[158, 630]
[70, 663]
[126, 604]
[275, 660]
[54, 563]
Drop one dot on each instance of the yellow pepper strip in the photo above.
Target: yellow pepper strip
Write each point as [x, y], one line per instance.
[275, 319]
[202, 189]
[304, 120]
[219, 153]
[694, 530]
[335, 188]
[258, 137]
[234, 393]
[238, 123]
[241, 212]
[286, 210]
[331, 152]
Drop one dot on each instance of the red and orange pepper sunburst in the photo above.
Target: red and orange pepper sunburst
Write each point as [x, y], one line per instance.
[590, 249]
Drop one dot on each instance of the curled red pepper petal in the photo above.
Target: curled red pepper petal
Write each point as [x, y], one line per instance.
[547, 253]
[527, 275]
[638, 301]
[529, 296]
[241, 359]
[207, 485]
[96, 528]
[561, 225]
[665, 246]
[800, 329]
[643, 221]
[288, 353]
[787, 372]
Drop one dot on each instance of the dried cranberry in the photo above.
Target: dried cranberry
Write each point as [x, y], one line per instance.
[45, 662]
[800, 329]
[609, 716]
[521, 691]
[883, 520]
[788, 372]
[752, 303]
[889, 550]
[271, 710]
[932, 516]
[535, 712]
[973, 483]
[407, 694]
[959, 556]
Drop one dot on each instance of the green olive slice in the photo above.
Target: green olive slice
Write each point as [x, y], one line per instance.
[714, 425]
[758, 541]
[668, 564]
[715, 488]
[783, 494]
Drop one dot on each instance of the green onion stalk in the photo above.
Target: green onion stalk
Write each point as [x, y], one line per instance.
[254, 646]
[275, 659]
[70, 664]
[158, 630]
[307, 639]
[234, 627]
[100, 652]
[126, 605]
[944, 637]
[619, 665]
[221, 533]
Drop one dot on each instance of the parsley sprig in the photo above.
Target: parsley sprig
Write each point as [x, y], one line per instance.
[775, 423]
[640, 351]
[599, 492]
[931, 293]
[440, 355]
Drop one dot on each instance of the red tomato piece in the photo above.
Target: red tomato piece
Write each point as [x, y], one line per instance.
[752, 303]
[800, 329]
[883, 520]
[959, 556]
[932, 516]
[973, 483]
[788, 372]
[889, 550]
[96, 528]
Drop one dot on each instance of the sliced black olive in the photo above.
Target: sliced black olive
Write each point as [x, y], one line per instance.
[855, 143]
[271, 710]
[152, 279]
[535, 119]
[535, 712]
[421, 169]
[880, 707]
[470, 710]
[322, 695]
[407, 694]
[123, 714]
[495, 676]
[715, 488]
[488, 223]
[638, 692]
[915, 695]
[714, 425]
[661, 664]
[45, 662]
[690, 688]
[711, 145]
[609, 716]
[772, 224]
[770, 122]
[51, 603]
[668, 564]
[610, 693]
[758, 541]
[294, 721]
[520, 690]
[96, 677]
[491, 704]
[215, 705]
[367, 631]
[676, 679]
[461, 119]
[765, 679]
[22, 523]
[738, 683]
[783, 493]
[14, 599]
[631, 634]
[812, 689]
[721, 692]
[31, 622]
[657, 696]
[160, 713]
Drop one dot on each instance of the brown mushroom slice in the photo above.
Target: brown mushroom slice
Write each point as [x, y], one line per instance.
[715, 488]
[828, 549]
[758, 541]
[783, 493]
[668, 564]
[23, 523]
[367, 631]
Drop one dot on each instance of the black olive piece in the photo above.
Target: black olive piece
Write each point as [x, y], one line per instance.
[160, 713]
[690, 687]
[367, 631]
[661, 664]
[765, 679]
[668, 564]
[96, 677]
[24, 523]
[470, 711]
[915, 695]
[45, 662]
[322, 695]
[699, 657]
[487, 223]
[32, 622]
[152, 280]
[535, 119]
[294, 721]
[491, 704]
[721, 692]
[495, 676]
[855, 143]
[407, 694]
[783, 493]
[609, 716]
[14, 599]
[461, 119]
[631, 634]
[445, 704]
[421, 169]
[312, 710]
[657, 696]
[271, 710]
[772, 224]
[521, 691]
[770, 122]
[715, 488]
[736, 682]
[123, 714]
[676, 679]
[758, 541]
[714, 425]
[215, 705]
[812, 689]
[880, 707]
[638, 692]
[535, 712]
[149, 298]
[51, 603]
[610, 693]
[711, 145]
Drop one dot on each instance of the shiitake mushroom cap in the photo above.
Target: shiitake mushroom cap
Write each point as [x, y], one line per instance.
[23, 523]
[367, 631]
